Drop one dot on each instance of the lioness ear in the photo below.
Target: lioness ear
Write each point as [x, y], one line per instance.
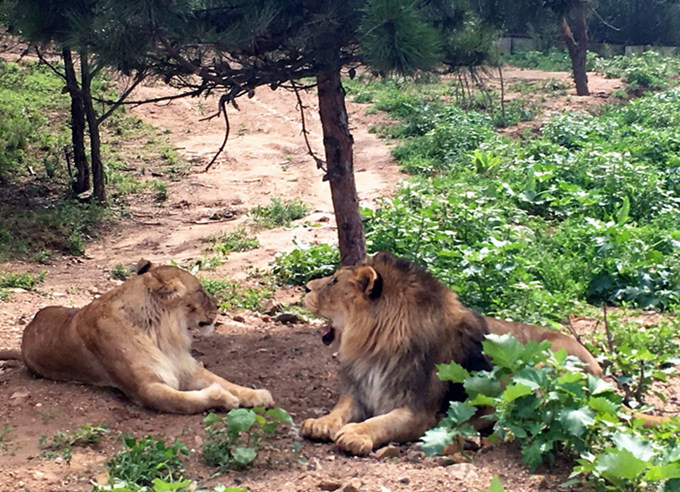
[142, 266]
[369, 281]
[165, 288]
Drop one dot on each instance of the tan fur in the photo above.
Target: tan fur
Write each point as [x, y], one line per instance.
[135, 338]
[397, 322]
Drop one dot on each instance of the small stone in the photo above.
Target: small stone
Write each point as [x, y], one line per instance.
[405, 480]
[388, 452]
[329, 485]
[354, 485]
[239, 319]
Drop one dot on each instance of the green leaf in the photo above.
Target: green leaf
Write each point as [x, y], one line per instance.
[435, 440]
[619, 464]
[576, 421]
[211, 419]
[482, 383]
[244, 456]
[503, 350]
[531, 377]
[240, 419]
[514, 391]
[460, 412]
[663, 472]
[496, 485]
[163, 486]
[640, 449]
[280, 415]
[598, 386]
[622, 214]
[452, 372]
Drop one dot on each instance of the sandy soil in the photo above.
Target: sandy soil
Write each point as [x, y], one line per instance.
[266, 157]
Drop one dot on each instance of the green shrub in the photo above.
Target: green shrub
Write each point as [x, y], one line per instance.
[279, 213]
[306, 263]
[144, 460]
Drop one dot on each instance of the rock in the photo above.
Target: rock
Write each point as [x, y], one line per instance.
[329, 485]
[354, 485]
[465, 472]
[19, 397]
[388, 452]
[289, 318]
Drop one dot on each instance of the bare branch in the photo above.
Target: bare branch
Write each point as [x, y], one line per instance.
[115, 105]
[223, 108]
[50, 66]
[320, 164]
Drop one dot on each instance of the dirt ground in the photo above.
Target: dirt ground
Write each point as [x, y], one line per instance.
[266, 157]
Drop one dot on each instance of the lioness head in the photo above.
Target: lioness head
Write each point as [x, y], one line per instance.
[178, 291]
[343, 296]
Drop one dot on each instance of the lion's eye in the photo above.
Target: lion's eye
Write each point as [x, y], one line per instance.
[333, 281]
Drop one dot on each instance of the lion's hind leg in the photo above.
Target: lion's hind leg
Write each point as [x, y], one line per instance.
[325, 428]
[167, 399]
[247, 397]
[399, 425]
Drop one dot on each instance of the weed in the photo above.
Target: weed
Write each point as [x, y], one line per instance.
[305, 263]
[233, 295]
[26, 281]
[144, 460]
[238, 240]
[233, 441]
[62, 443]
[279, 213]
[4, 432]
[120, 272]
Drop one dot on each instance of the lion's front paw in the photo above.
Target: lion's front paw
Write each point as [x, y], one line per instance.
[322, 428]
[351, 439]
[221, 397]
[257, 398]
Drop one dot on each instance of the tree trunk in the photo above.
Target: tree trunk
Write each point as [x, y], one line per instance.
[93, 127]
[82, 181]
[577, 45]
[338, 144]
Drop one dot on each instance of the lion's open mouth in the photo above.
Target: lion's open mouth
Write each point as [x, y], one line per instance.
[327, 334]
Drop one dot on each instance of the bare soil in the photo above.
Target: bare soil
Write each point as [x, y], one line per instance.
[266, 157]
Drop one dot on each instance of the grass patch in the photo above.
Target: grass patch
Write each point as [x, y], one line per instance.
[279, 213]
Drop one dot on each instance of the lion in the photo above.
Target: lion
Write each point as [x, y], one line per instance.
[396, 323]
[136, 338]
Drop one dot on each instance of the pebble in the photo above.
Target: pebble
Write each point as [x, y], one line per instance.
[388, 452]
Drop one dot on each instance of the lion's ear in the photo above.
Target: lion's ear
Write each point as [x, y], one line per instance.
[142, 266]
[369, 281]
[165, 288]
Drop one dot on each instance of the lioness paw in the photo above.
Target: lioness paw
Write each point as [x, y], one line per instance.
[322, 428]
[257, 398]
[351, 439]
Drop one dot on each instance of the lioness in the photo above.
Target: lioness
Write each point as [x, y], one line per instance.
[396, 323]
[135, 338]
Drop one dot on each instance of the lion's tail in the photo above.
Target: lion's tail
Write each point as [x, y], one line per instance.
[10, 354]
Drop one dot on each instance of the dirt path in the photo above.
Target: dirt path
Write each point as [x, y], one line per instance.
[266, 157]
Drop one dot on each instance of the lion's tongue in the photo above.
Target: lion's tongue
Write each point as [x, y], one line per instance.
[327, 334]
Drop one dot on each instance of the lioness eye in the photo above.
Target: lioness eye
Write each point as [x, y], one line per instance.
[333, 281]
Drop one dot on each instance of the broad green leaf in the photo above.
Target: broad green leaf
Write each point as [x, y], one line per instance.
[663, 472]
[240, 419]
[163, 486]
[280, 415]
[515, 390]
[496, 485]
[503, 350]
[453, 372]
[640, 449]
[597, 385]
[622, 214]
[604, 405]
[481, 400]
[576, 421]
[435, 440]
[459, 412]
[482, 383]
[619, 464]
[211, 419]
[244, 456]
[531, 377]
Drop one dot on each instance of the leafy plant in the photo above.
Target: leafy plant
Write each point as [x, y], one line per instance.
[234, 295]
[62, 443]
[120, 272]
[279, 213]
[238, 240]
[306, 262]
[552, 408]
[28, 281]
[233, 441]
[145, 460]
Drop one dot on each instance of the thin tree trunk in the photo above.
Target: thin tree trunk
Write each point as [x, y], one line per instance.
[82, 181]
[93, 127]
[577, 45]
[338, 144]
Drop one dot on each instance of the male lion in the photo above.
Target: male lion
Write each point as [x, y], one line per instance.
[135, 338]
[397, 322]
